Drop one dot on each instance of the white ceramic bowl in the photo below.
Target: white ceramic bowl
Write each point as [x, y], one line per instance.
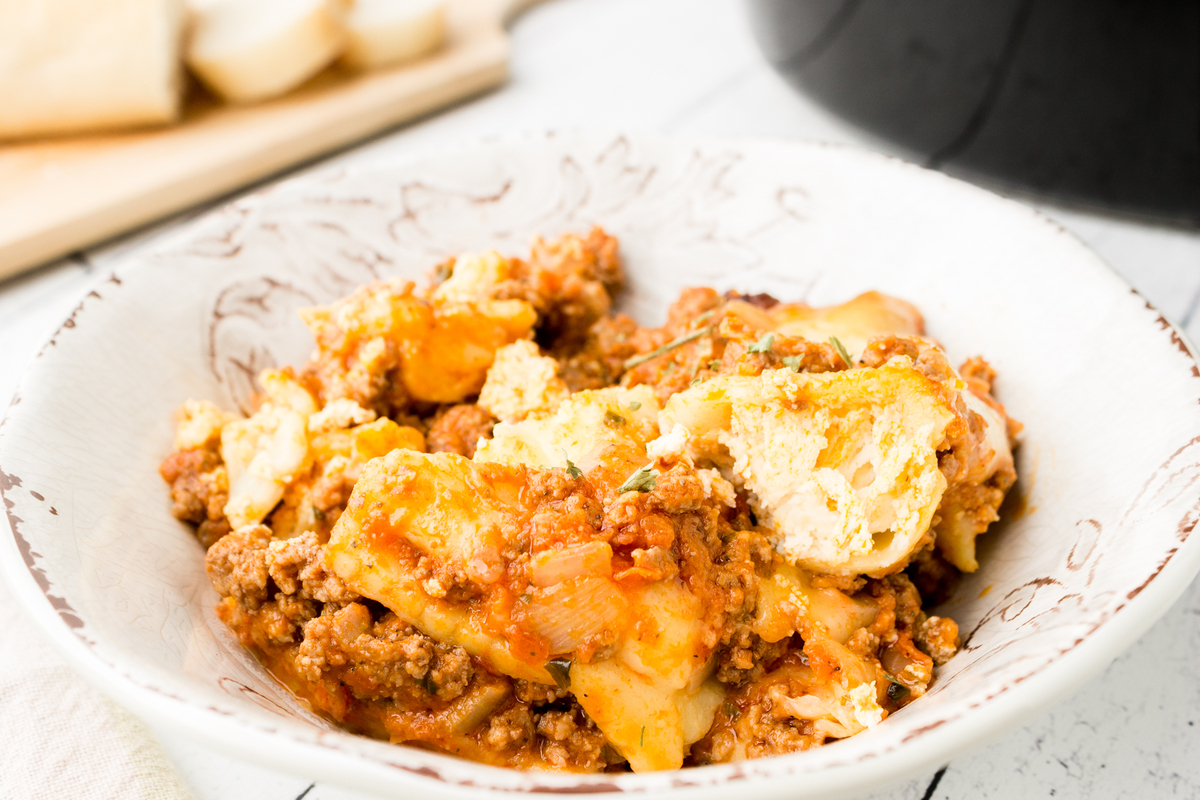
[1107, 389]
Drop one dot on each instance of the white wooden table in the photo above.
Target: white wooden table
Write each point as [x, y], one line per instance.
[690, 66]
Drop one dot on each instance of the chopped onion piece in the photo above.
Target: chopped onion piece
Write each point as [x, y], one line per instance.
[576, 561]
[569, 613]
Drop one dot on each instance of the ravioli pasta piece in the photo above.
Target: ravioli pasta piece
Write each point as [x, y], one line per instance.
[267, 451]
[650, 724]
[978, 460]
[603, 432]
[474, 554]
[854, 322]
[841, 466]
[966, 514]
[787, 597]
[655, 696]
[409, 504]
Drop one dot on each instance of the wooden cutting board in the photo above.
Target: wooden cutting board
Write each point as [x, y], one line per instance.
[60, 195]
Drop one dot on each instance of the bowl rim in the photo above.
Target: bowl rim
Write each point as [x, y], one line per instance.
[247, 740]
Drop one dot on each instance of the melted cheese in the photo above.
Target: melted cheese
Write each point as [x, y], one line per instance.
[444, 347]
[522, 382]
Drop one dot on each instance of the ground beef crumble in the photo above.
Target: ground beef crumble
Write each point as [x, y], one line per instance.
[570, 737]
[458, 429]
[199, 490]
[366, 669]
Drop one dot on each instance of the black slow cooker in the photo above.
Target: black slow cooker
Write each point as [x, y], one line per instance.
[1095, 101]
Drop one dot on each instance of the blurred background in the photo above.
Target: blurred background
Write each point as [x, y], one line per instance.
[1088, 110]
[1090, 106]
[1095, 102]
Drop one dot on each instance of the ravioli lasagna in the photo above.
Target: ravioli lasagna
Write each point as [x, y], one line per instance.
[492, 518]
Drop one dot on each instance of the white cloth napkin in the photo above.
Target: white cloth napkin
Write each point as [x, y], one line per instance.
[62, 739]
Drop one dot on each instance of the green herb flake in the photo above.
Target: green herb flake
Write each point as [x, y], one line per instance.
[443, 272]
[642, 740]
[427, 683]
[635, 405]
[696, 381]
[641, 481]
[635, 361]
[318, 513]
[574, 471]
[897, 692]
[732, 711]
[763, 345]
[841, 350]
[560, 671]
[613, 418]
[792, 362]
[527, 598]
[715, 364]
